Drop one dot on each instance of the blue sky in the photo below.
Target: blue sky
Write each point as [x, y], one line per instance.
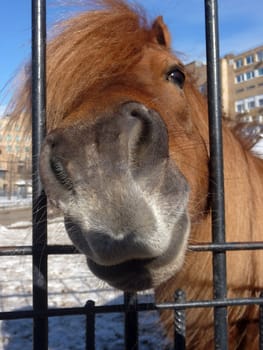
[241, 28]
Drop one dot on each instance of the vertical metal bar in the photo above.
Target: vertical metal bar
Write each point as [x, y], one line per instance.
[179, 322]
[216, 169]
[90, 325]
[261, 325]
[131, 321]
[39, 215]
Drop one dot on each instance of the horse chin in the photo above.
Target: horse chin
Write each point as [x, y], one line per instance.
[127, 265]
[131, 264]
[137, 275]
[141, 274]
[129, 276]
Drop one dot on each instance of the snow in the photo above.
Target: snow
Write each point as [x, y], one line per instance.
[15, 202]
[258, 148]
[70, 284]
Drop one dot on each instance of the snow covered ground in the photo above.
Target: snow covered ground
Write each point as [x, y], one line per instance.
[70, 284]
[258, 148]
[6, 202]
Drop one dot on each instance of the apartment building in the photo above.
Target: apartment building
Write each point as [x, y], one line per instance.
[241, 84]
[198, 72]
[15, 160]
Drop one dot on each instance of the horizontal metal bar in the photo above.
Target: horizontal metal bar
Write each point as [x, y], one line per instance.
[227, 246]
[16, 250]
[28, 250]
[211, 303]
[62, 249]
[70, 249]
[9, 315]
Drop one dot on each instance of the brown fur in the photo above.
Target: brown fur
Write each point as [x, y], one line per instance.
[86, 73]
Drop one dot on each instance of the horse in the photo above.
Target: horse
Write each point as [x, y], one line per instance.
[126, 160]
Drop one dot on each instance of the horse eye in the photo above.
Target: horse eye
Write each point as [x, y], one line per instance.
[177, 77]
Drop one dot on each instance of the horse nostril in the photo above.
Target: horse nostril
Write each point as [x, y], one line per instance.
[51, 141]
[54, 152]
[135, 113]
[147, 137]
[137, 110]
[61, 173]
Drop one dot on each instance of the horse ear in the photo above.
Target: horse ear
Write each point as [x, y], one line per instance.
[160, 32]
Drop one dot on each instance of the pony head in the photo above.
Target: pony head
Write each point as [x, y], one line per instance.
[125, 158]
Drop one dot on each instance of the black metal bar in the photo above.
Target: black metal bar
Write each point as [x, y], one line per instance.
[228, 246]
[27, 250]
[216, 170]
[90, 325]
[70, 249]
[39, 219]
[261, 324]
[131, 321]
[140, 307]
[179, 322]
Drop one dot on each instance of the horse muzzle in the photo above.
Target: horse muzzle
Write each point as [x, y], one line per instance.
[124, 201]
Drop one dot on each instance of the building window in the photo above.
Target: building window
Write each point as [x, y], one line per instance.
[259, 100]
[250, 75]
[249, 59]
[240, 107]
[246, 118]
[239, 78]
[251, 87]
[259, 118]
[260, 56]
[2, 174]
[239, 63]
[21, 168]
[203, 89]
[8, 138]
[251, 104]
[260, 71]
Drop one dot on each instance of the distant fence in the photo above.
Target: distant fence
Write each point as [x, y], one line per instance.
[40, 250]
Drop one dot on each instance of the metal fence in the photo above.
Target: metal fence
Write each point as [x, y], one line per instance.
[40, 250]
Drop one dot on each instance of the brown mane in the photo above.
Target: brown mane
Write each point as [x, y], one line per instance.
[95, 55]
[70, 60]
